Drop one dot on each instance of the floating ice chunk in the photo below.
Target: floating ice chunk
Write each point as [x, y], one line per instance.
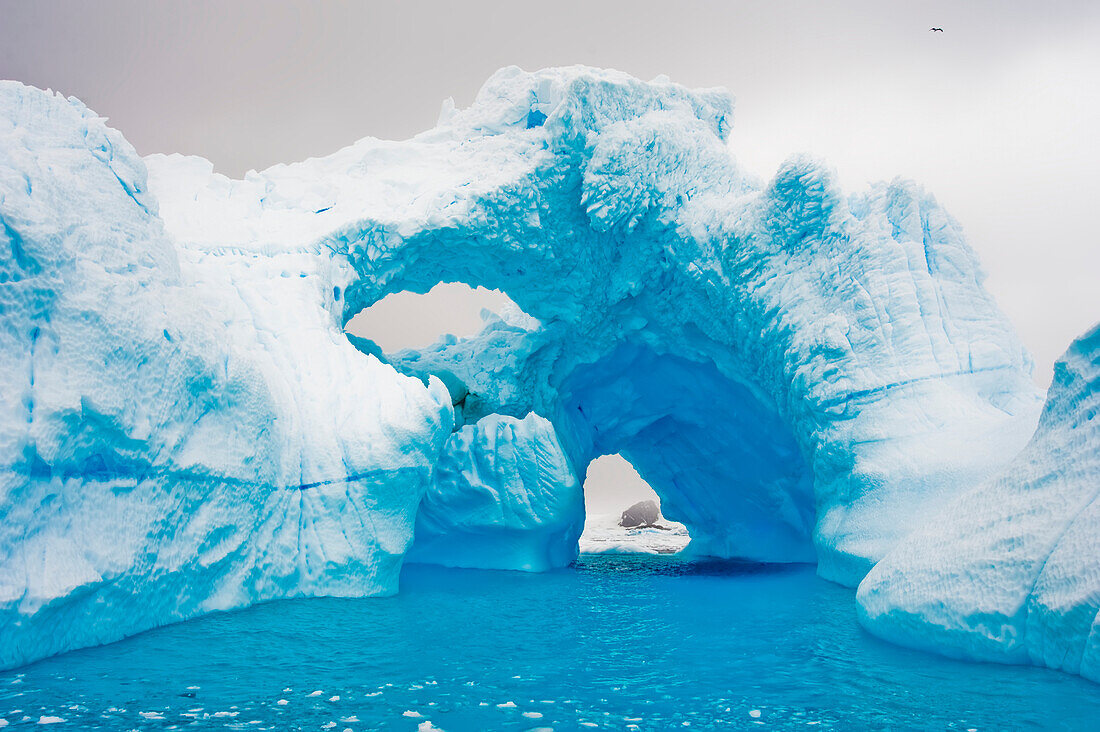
[1010, 570]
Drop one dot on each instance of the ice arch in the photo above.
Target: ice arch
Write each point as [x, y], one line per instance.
[173, 443]
[827, 365]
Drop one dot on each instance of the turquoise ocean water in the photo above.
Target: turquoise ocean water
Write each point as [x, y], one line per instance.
[616, 642]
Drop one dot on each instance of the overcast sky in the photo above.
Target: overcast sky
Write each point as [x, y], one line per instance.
[999, 115]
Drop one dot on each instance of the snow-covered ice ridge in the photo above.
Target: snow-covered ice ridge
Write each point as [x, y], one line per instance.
[800, 374]
[1010, 571]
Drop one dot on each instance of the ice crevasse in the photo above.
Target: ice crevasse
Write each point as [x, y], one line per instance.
[801, 375]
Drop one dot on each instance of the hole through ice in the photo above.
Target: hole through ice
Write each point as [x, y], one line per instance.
[406, 319]
[612, 486]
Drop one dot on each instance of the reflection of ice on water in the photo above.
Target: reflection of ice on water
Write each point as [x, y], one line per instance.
[603, 535]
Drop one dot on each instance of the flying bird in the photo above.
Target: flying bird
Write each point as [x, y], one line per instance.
[939, 30]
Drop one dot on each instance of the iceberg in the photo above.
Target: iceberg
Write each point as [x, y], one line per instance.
[800, 374]
[1009, 571]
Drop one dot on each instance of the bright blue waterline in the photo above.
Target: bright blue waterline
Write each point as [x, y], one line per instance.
[615, 641]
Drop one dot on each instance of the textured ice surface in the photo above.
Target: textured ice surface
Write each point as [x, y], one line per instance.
[1010, 571]
[504, 497]
[170, 441]
[799, 374]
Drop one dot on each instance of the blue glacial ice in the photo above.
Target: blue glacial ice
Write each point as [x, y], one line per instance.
[504, 497]
[1010, 570]
[800, 374]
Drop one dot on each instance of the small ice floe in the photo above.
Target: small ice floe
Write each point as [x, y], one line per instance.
[349, 720]
[226, 714]
[427, 726]
[282, 702]
[415, 687]
[410, 713]
[589, 724]
[374, 693]
[334, 698]
[507, 705]
[533, 715]
[315, 693]
[193, 688]
[328, 725]
[754, 713]
[151, 715]
[3, 722]
[287, 690]
[47, 719]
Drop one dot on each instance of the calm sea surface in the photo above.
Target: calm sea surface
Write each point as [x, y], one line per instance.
[616, 642]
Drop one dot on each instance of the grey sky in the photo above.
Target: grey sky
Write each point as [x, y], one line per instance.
[998, 115]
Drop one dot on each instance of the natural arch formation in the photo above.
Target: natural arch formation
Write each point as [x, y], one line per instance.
[856, 327]
[800, 373]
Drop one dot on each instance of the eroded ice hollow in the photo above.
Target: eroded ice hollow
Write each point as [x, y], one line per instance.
[799, 373]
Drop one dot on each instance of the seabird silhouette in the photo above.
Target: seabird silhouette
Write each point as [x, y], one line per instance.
[940, 30]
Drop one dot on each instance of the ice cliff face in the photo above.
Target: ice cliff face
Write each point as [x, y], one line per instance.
[168, 441]
[1010, 571]
[801, 375]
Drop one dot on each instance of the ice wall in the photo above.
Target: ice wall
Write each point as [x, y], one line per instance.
[170, 441]
[504, 497]
[1010, 571]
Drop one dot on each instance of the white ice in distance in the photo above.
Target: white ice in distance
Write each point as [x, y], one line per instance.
[1010, 570]
[799, 374]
